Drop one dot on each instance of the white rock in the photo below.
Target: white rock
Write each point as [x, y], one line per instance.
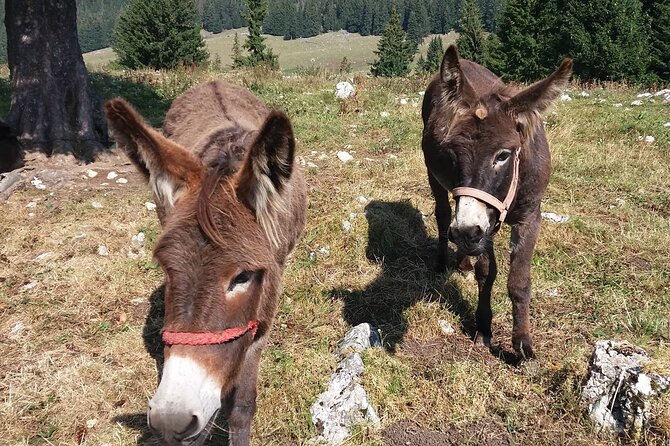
[617, 390]
[29, 286]
[421, 93]
[150, 206]
[648, 139]
[121, 181]
[358, 339]
[555, 218]
[138, 240]
[666, 125]
[344, 90]
[38, 183]
[31, 205]
[311, 165]
[91, 173]
[16, 331]
[345, 157]
[346, 226]
[644, 95]
[662, 92]
[565, 97]
[384, 114]
[584, 94]
[322, 157]
[553, 292]
[136, 247]
[617, 105]
[111, 175]
[361, 199]
[96, 205]
[392, 156]
[403, 101]
[636, 103]
[103, 251]
[446, 327]
[43, 257]
[324, 251]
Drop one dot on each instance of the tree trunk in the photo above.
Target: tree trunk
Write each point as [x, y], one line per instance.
[54, 108]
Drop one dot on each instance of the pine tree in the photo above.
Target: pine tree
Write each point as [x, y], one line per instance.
[517, 31]
[418, 25]
[238, 59]
[434, 56]
[211, 16]
[394, 51]
[660, 40]
[311, 23]
[472, 41]
[331, 22]
[159, 34]
[259, 53]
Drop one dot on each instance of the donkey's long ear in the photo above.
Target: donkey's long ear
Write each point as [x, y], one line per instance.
[262, 180]
[168, 167]
[459, 91]
[528, 105]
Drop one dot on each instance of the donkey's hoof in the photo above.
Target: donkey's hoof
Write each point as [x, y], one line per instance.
[481, 339]
[524, 347]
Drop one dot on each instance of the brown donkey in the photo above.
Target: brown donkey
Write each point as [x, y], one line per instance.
[484, 141]
[232, 205]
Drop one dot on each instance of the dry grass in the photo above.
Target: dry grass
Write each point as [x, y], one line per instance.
[604, 274]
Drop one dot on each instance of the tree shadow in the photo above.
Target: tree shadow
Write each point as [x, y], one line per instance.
[398, 241]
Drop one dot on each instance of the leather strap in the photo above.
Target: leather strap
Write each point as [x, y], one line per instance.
[501, 206]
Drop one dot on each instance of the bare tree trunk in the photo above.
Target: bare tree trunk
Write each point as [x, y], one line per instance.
[54, 108]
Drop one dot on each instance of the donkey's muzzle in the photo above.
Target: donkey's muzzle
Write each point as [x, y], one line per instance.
[471, 240]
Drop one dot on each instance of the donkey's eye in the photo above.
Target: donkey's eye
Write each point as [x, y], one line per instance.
[242, 278]
[503, 156]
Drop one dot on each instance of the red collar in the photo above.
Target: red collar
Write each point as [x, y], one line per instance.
[210, 338]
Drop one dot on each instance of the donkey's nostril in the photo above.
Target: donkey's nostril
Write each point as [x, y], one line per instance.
[191, 429]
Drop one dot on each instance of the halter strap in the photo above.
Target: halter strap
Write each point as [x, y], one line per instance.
[210, 338]
[501, 206]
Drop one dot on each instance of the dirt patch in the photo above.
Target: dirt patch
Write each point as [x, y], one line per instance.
[409, 433]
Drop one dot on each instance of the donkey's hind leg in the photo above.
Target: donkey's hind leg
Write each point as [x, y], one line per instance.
[443, 217]
[486, 271]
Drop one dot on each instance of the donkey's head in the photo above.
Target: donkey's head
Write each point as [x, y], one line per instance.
[218, 250]
[483, 144]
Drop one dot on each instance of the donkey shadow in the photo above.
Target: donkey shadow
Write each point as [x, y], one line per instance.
[153, 344]
[398, 241]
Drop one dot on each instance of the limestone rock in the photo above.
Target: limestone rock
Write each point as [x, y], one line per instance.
[344, 90]
[617, 391]
[358, 339]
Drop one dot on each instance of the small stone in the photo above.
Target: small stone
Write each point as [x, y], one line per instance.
[121, 181]
[111, 175]
[662, 92]
[150, 206]
[403, 101]
[311, 165]
[584, 94]
[421, 93]
[91, 423]
[38, 183]
[446, 327]
[361, 199]
[31, 214]
[617, 105]
[16, 331]
[322, 157]
[344, 90]
[91, 173]
[392, 156]
[666, 125]
[647, 139]
[358, 339]
[644, 95]
[346, 226]
[636, 103]
[324, 251]
[565, 97]
[384, 114]
[345, 157]
[43, 257]
[31, 205]
[103, 251]
[29, 286]
[555, 218]
[96, 205]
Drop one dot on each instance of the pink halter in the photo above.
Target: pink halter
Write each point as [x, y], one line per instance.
[211, 338]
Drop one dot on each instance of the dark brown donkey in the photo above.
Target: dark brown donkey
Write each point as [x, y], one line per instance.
[484, 141]
[232, 205]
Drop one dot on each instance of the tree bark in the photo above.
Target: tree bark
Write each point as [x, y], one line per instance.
[54, 108]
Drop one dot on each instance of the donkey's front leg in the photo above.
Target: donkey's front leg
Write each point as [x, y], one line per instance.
[243, 404]
[486, 271]
[522, 244]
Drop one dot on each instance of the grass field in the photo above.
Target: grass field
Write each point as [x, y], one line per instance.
[75, 325]
[323, 51]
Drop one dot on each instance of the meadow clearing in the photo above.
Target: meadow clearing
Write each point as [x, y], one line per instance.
[79, 329]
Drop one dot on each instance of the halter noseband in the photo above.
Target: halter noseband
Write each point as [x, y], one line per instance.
[210, 338]
[501, 206]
